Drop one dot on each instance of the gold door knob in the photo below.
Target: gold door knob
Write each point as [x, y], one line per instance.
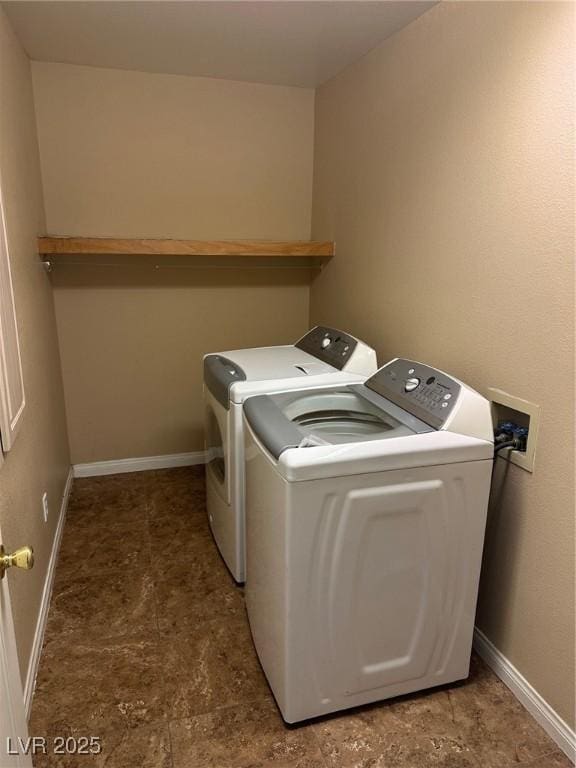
[20, 558]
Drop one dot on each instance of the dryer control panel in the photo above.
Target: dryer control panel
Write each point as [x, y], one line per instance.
[329, 345]
[425, 392]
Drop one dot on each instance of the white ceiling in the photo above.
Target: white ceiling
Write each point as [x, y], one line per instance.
[294, 42]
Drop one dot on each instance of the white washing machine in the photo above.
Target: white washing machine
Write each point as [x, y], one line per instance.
[320, 358]
[365, 515]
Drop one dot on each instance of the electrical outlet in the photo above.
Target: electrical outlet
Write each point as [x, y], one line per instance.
[45, 506]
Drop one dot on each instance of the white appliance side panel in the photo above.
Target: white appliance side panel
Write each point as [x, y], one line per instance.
[225, 502]
[266, 596]
[471, 416]
[224, 525]
[382, 582]
[216, 418]
[237, 488]
[225, 518]
[389, 560]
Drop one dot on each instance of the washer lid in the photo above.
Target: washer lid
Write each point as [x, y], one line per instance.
[409, 452]
[334, 416]
[349, 430]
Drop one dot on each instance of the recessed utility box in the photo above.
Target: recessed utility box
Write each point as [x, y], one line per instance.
[507, 407]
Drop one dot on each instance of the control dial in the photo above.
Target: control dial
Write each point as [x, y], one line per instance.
[411, 384]
[326, 341]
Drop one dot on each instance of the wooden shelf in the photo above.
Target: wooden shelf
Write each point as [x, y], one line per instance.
[97, 246]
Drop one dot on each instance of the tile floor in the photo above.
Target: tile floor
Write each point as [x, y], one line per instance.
[148, 647]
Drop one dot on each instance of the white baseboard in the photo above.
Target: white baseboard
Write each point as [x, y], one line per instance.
[141, 464]
[45, 602]
[540, 710]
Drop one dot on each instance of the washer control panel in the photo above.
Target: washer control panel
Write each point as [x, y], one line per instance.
[329, 345]
[425, 392]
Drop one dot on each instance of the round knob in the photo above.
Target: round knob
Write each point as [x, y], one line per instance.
[20, 558]
[326, 342]
[411, 384]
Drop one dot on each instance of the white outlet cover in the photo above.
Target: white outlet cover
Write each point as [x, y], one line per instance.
[45, 506]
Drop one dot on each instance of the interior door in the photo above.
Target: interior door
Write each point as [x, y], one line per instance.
[13, 726]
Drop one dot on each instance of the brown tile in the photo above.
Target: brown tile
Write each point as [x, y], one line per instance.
[177, 513]
[146, 746]
[194, 586]
[163, 505]
[351, 740]
[555, 759]
[481, 677]
[93, 519]
[412, 732]
[178, 612]
[174, 531]
[193, 476]
[177, 492]
[423, 714]
[213, 666]
[100, 548]
[428, 752]
[496, 726]
[98, 686]
[478, 667]
[181, 545]
[108, 604]
[243, 737]
[116, 495]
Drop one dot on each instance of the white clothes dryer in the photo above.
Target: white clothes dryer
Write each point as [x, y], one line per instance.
[365, 513]
[322, 357]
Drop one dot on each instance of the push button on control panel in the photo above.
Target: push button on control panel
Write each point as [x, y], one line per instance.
[411, 384]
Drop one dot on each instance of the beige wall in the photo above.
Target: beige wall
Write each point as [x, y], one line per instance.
[39, 459]
[127, 153]
[132, 342]
[444, 171]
